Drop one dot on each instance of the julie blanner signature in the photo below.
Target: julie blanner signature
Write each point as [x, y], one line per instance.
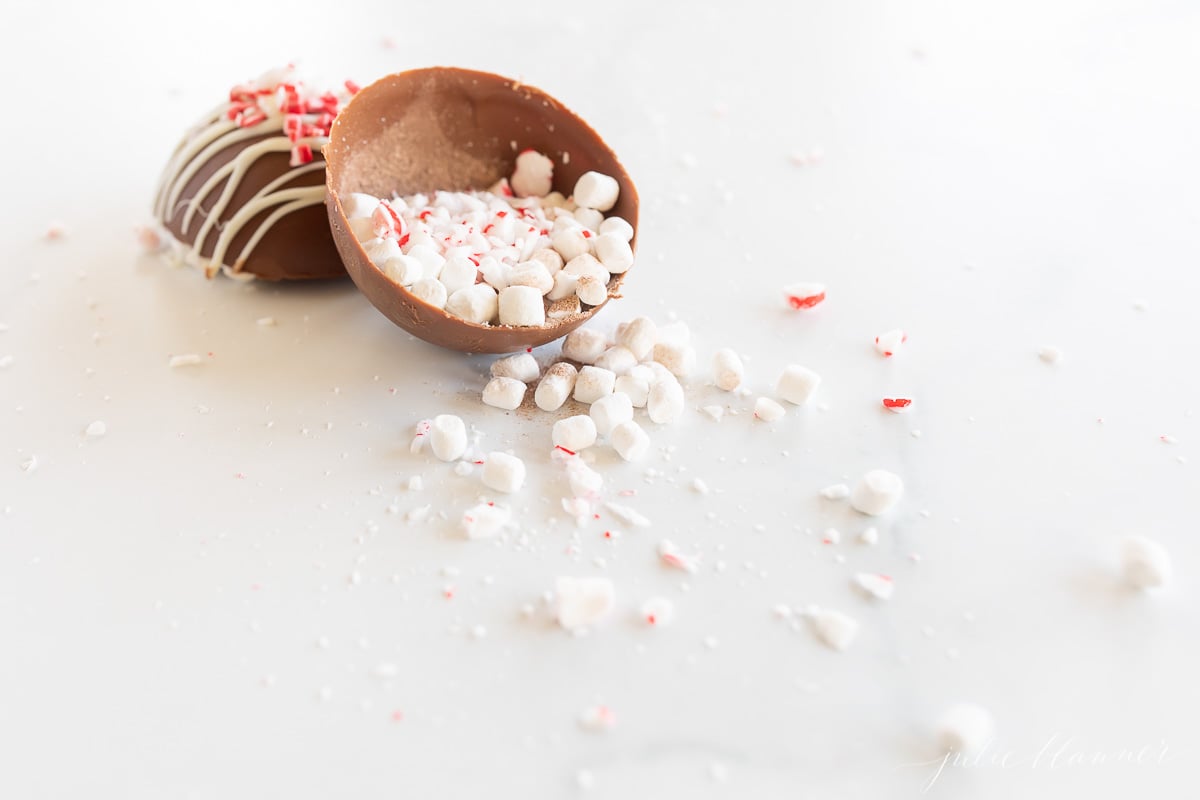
[1058, 752]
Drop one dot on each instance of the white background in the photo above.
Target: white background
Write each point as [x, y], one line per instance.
[996, 177]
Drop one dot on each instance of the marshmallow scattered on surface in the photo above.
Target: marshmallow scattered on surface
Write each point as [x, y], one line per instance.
[522, 367]
[635, 387]
[610, 411]
[888, 344]
[583, 602]
[629, 440]
[665, 401]
[679, 358]
[877, 492]
[965, 728]
[768, 410]
[555, 387]
[574, 433]
[797, 384]
[617, 359]
[506, 393]
[503, 472]
[1145, 564]
[448, 437]
[592, 383]
[584, 345]
[638, 336]
[728, 369]
[485, 520]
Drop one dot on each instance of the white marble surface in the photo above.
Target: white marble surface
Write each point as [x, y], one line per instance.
[996, 177]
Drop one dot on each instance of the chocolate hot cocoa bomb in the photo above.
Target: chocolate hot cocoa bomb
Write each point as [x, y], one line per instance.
[452, 129]
[244, 191]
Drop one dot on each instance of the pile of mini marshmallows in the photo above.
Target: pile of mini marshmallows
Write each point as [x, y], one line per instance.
[515, 255]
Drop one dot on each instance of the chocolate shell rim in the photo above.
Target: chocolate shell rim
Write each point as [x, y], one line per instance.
[508, 337]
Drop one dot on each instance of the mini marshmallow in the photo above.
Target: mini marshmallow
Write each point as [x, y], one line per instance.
[533, 174]
[596, 190]
[403, 270]
[580, 602]
[522, 306]
[610, 411]
[589, 218]
[678, 358]
[618, 226]
[629, 440]
[506, 393]
[380, 250]
[485, 520]
[664, 403]
[574, 433]
[728, 369]
[431, 291]
[564, 308]
[877, 492]
[569, 241]
[458, 273]
[494, 273]
[548, 258]
[586, 264]
[797, 384]
[635, 387]
[888, 344]
[639, 336]
[614, 252]
[477, 303]
[618, 359]
[1145, 564]
[531, 273]
[431, 260]
[522, 366]
[448, 437]
[872, 583]
[584, 345]
[555, 387]
[564, 286]
[768, 410]
[593, 383]
[965, 728]
[356, 205]
[591, 290]
[363, 229]
[503, 472]
[835, 629]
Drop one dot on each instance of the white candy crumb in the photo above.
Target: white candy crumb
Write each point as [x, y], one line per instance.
[837, 491]
[699, 486]
[6, 361]
[582, 602]
[658, 611]
[265, 322]
[185, 360]
[1145, 564]
[597, 719]
[965, 728]
[869, 537]
[804, 295]
[669, 554]
[833, 628]
[30, 464]
[1050, 355]
[878, 586]
[888, 344]
[716, 412]
[95, 430]
[627, 515]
